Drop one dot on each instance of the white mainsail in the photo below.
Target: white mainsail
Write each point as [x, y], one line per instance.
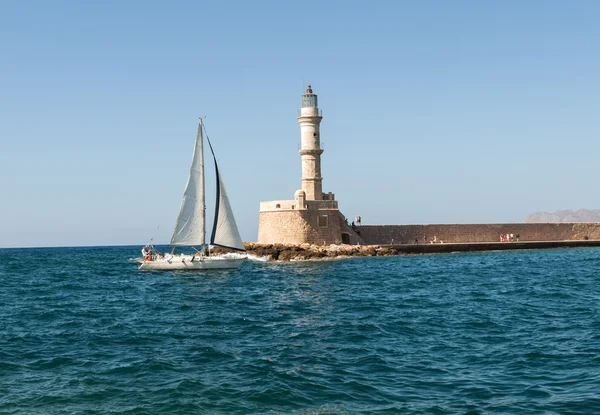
[225, 231]
[190, 228]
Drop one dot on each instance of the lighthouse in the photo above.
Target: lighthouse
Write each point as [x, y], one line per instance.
[310, 146]
[311, 216]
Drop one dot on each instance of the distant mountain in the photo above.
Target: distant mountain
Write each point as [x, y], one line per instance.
[581, 215]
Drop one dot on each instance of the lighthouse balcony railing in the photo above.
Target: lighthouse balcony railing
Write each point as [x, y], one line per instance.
[317, 113]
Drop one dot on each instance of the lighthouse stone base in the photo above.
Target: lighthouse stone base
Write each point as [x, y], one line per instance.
[302, 221]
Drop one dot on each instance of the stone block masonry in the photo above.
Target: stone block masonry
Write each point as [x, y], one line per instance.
[465, 233]
[317, 223]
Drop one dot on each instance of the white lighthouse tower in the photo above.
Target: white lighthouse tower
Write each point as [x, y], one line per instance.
[310, 149]
[311, 216]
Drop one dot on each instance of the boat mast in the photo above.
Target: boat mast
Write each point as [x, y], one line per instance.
[202, 184]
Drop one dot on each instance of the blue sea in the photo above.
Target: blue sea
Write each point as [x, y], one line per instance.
[82, 331]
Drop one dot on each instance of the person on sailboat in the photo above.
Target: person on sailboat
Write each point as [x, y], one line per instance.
[147, 252]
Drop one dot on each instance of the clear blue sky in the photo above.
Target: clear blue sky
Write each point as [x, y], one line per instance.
[434, 111]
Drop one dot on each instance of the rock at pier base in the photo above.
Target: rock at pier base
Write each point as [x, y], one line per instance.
[299, 252]
[289, 252]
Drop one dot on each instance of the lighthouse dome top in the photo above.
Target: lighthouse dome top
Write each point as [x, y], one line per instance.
[309, 99]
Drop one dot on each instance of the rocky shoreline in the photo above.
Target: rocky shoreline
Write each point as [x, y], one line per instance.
[306, 252]
[285, 252]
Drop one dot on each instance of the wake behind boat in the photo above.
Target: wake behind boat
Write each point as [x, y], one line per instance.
[190, 229]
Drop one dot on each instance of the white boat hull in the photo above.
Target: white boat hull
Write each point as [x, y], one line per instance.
[192, 262]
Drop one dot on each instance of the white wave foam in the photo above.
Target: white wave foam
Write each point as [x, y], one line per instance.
[258, 258]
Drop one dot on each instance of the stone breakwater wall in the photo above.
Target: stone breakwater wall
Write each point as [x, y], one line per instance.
[302, 252]
[468, 233]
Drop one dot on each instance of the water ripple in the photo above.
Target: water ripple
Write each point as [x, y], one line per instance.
[497, 332]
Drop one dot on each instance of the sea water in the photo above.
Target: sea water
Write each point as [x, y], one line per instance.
[83, 331]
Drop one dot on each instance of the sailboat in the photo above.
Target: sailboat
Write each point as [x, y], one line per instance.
[190, 228]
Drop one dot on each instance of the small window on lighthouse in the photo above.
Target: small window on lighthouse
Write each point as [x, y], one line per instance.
[277, 206]
[323, 221]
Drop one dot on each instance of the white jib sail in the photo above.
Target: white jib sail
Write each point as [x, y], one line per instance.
[225, 232]
[191, 223]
